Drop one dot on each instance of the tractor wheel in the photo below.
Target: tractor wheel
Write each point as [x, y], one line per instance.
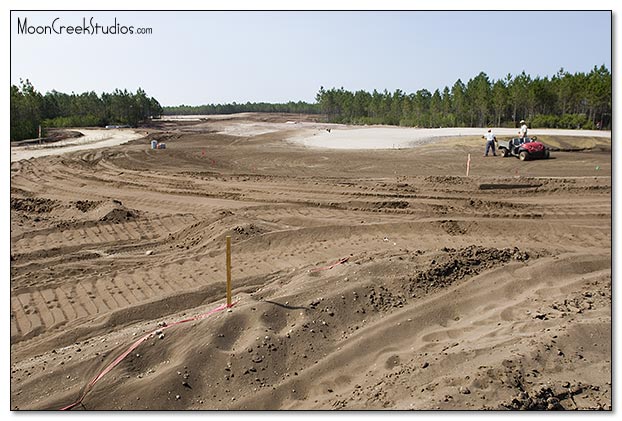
[504, 152]
[547, 154]
[523, 156]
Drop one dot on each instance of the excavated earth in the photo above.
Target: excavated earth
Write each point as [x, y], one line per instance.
[362, 279]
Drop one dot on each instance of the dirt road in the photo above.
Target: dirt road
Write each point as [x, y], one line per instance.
[362, 279]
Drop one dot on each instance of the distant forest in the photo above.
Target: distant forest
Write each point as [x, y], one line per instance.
[565, 100]
[299, 107]
[579, 100]
[29, 109]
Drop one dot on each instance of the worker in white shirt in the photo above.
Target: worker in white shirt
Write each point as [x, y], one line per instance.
[522, 133]
[490, 142]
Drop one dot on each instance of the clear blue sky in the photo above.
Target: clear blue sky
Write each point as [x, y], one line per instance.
[216, 57]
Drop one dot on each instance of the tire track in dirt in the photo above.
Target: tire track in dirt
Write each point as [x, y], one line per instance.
[159, 252]
[122, 295]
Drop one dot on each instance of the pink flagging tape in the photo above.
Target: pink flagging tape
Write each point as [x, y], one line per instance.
[338, 262]
[135, 345]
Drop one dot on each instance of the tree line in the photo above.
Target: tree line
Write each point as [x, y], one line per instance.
[30, 109]
[579, 100]
[565, 100]
[299, 107]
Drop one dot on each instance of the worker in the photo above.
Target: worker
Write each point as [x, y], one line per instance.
[490, 142]
[522, 133]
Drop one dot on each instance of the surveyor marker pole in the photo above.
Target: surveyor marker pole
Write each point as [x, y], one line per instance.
[468, 164]
[228, 271]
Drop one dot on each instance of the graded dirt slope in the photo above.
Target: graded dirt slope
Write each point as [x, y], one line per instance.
[381, 279]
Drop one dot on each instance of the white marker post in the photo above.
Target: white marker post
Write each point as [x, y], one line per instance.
[228, 271]
[468, 164]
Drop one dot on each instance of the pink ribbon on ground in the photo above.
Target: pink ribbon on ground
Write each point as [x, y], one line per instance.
[135, 345]
[338, 262]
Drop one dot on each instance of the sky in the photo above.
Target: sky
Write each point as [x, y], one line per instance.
[203, 57]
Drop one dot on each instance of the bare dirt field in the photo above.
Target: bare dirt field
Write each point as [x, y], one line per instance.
[362, 279]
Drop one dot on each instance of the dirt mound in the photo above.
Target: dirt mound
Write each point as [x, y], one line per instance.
[119, 215]
[86, 205]
[362, 280]
[33, 205]
[249, 230]
[54, 135]
[111, 211]
[454, 265]
[571, 143]
[546, 399]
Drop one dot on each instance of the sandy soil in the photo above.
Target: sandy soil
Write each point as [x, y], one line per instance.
[362, 279]
[90, 139]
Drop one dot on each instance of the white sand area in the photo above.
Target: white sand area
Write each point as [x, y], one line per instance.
[387, 137]
[91, 139]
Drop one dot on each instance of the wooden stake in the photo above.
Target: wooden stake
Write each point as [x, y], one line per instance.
[468, 164]
[228, 271]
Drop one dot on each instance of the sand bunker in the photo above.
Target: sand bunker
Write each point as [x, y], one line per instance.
[91, 139]
[385, 137]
